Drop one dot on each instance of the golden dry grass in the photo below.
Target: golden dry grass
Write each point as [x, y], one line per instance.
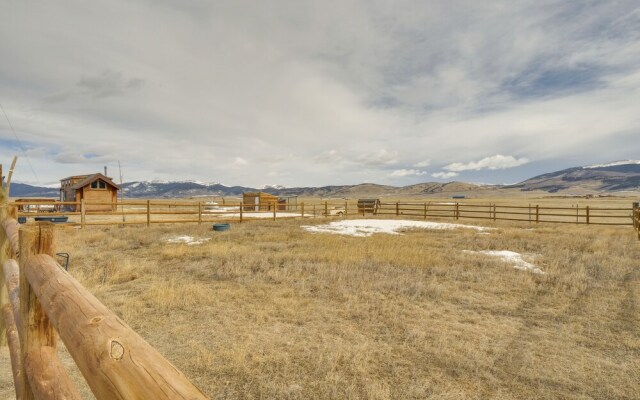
[270, 311]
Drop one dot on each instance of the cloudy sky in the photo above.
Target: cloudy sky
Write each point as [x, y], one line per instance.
[303, 93]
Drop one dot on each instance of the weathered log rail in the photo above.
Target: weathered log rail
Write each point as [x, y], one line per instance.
[40, 301]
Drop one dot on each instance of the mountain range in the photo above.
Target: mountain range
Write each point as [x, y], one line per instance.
[617, 176]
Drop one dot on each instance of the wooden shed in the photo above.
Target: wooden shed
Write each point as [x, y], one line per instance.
[258, 201]
[368, 206]
[287, 203]
[96, 188]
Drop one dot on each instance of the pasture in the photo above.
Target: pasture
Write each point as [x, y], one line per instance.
[269, 310]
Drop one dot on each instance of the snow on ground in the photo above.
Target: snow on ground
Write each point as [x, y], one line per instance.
[245, 214]
[367, 227]
[510, 257]
[188, 240]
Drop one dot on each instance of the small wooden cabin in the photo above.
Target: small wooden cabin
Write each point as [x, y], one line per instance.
[368, 206]
[96, 188]
[258, 201]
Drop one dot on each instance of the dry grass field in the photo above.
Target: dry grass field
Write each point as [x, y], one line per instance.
[268, 310]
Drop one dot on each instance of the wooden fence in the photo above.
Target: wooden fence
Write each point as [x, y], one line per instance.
[501, 212]
[149, 212]
[42, 301]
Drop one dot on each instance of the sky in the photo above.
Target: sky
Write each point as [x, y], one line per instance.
[311, 93]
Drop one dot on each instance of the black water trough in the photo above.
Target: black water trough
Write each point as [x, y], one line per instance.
[56, 219]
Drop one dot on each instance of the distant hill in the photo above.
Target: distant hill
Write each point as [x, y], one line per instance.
[24, 190]
[612, 177]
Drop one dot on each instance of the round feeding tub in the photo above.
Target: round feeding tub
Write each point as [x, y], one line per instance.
[221, 227]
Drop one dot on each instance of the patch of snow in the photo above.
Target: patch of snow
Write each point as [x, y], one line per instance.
[510, 257]
[188, 240]
[613, 164]
[367, 227]
[262, 214]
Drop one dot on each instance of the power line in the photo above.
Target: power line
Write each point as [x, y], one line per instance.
[20, 144]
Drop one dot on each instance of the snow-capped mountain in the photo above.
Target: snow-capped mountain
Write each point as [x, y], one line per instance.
[608, 177]
[158, 189]
[613, 164]
[276, 187]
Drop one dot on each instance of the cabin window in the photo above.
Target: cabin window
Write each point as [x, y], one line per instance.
[98, 185]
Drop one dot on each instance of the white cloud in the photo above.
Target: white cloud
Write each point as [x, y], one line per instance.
[329, 156]
[491, 163]
[407, 172]
[379, 158]
[422, 164]
[240, 162]
[444, 175]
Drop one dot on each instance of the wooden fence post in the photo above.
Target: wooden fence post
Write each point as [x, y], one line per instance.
[35, 329]
[83, 214]
[425, 210]
[199, 213]
[275, 208]
[457, 211]
[494, 212]
[241, 209]
[397, 209]
[537, 213]
[148, 212]
[346, 208]
[587, 215]
[326, 209]
[302, 210]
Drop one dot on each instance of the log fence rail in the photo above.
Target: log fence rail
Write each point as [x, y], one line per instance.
[40, 302]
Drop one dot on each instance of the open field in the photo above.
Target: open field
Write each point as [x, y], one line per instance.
[268, 310]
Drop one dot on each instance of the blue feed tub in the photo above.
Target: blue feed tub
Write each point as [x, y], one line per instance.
[22, 220]
[221, 227]
[62, 218]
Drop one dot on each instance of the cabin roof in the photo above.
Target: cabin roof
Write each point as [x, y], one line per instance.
[92, 178]
[75, 177]
[258, 194]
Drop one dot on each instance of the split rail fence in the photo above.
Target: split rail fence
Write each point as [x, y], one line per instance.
[162, 212]
[42, 301]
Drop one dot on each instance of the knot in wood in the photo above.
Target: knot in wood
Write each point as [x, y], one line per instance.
[95, 320]
[117, 350]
